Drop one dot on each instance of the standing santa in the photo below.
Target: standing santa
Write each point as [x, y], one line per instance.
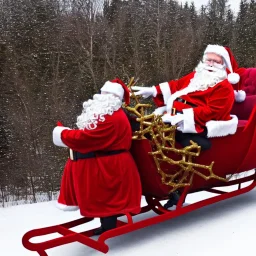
[100, 177]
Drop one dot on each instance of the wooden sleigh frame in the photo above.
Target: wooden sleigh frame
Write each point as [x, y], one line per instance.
[154, 204]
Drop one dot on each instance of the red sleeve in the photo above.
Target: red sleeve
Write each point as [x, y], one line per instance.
[86, 141]
[218, 107]
[158, 99]
[165, 90]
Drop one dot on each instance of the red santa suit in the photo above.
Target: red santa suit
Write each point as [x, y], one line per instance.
[201, 108]
[201, 99]
[106, 183]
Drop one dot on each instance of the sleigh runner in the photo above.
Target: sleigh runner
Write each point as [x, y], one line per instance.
[165, 167]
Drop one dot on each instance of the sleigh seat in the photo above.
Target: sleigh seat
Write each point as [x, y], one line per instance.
[248, 84]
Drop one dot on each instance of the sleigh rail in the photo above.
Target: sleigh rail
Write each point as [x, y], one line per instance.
[154, 204]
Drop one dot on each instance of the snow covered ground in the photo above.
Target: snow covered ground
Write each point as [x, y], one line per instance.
[225, 228]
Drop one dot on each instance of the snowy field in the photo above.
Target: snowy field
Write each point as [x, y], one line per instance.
[225, 228]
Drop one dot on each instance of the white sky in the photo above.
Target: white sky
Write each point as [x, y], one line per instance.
[234, 4]
[224, 228]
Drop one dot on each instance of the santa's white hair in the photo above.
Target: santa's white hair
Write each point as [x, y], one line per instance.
[94, 110]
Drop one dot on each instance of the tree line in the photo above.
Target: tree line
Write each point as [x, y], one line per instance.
[55, 54]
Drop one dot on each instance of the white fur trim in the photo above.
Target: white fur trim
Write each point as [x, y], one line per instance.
[189, 121]
[160, 110]
[154, 91]
[240, 95]
[233, 78]
[222, 128]
[66, 208]
[56, 136]
[177, 94]
[113, 88]
[166, 91]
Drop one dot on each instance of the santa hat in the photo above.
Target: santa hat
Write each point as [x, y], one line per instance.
[117, 87]
[233, 78]
[231, 65]
[240, 95]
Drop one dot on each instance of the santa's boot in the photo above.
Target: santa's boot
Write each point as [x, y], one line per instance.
[173, 199]
[107, 223]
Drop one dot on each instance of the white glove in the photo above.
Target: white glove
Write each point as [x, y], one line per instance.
[145, 92]
[173, 120]
[159, 111]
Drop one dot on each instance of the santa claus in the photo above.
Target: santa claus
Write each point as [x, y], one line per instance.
[100, 177]
[200, 103]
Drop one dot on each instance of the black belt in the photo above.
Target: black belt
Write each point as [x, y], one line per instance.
[74, 155]
[186, 102]
[174, 112]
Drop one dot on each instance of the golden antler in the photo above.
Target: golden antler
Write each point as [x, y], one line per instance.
[174, 173]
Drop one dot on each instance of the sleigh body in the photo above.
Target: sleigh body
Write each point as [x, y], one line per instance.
[232, 155]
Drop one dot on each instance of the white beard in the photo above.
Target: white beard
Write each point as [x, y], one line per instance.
[94, 110]
[207, 76]
[202, 80]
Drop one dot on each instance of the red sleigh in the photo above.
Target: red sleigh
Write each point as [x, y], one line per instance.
[232, 155]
